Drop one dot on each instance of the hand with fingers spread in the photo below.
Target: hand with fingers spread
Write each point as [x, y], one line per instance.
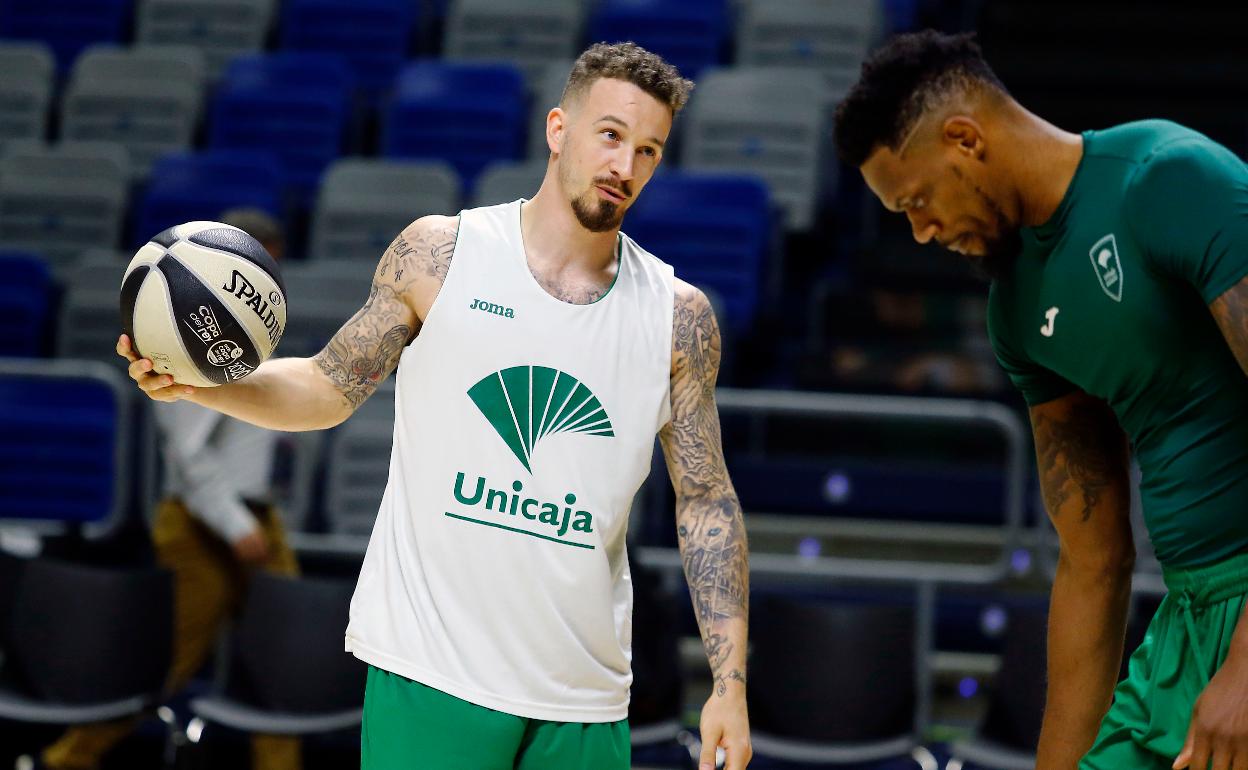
[158, 387]
[1217, 738]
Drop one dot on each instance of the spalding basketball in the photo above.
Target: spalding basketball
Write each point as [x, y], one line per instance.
[205, 302]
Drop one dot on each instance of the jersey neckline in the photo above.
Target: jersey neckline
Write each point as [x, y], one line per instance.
[1044, 232]
[528, 271]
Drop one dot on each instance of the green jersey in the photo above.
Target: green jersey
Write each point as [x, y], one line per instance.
[1111, 295]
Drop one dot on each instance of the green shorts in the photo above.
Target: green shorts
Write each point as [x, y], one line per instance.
[409, 726]
[1186, 642]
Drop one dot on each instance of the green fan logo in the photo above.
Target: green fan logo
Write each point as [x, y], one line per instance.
[527, 403]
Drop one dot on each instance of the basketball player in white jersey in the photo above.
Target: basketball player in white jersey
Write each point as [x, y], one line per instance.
[539, 350]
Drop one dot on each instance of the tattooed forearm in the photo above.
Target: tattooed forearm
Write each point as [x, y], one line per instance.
[1231, 312]
[710, 528]
[367, 348]
[1080, 453]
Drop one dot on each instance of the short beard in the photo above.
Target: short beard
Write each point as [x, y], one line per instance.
[603, 218]
[1001, 251]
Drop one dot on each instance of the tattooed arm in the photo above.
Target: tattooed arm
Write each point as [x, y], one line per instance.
[1231, 312]
[322, 391]
[710, 528]
[1081, 454]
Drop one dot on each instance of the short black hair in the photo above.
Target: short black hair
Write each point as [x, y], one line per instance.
[897, 84]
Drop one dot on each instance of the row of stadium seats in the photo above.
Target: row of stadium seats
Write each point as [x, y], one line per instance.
[151, 100]
[375, 36]
[58, 203]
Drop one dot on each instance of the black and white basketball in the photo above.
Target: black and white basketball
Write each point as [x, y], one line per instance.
[205, 302]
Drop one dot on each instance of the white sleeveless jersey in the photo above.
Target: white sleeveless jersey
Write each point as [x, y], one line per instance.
[524, 425]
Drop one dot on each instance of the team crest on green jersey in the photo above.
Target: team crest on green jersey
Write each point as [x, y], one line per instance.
[1108, 267]
[525, 404]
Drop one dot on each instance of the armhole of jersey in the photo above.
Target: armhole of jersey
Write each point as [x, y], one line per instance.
[431, 316]
[670, 278]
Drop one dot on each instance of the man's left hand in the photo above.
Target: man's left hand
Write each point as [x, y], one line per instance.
[1219, 726]
[725, 724]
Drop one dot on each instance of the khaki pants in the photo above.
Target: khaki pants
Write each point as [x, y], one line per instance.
[209, 584]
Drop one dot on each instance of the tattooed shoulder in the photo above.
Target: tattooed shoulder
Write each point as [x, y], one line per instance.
[367, 348]
[695, 334]
[423, 250]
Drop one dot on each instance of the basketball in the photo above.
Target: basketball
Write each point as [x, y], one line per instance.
[205, 302]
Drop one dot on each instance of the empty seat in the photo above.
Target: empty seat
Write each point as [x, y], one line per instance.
[834, 683]
[288, 672]
[27, 300]
[293, 105]
[147, 99]
[88, 644]
[466, 113]
[521, 31]
[25, 90]
[756, 121]
[364, 203]
[371, 35]
[690, 34]
[59, 200]
[321, 297]
[64, 439]
[359, 465]
[91, 289]
[200, 186]
[67, 26]
[221, 29]
[714, 229]
[832, 38]
[506, 182]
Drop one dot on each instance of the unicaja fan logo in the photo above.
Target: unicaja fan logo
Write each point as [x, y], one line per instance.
[525, 404]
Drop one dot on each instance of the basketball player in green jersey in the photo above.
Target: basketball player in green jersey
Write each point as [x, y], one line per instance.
[498, 639]
[1119, 307]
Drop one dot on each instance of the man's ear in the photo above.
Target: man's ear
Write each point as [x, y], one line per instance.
[556, 125]
[965, 135]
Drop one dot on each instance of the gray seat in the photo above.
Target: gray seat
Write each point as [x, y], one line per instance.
[25, 89]
[61, 200]
[359, 465]
[148, 99]
[831, 37]
[363, 203]
[521, 31]
[220, 29]
[547, 88]
[91, 287]
[765, 121]
[505, 182]
[321, 297]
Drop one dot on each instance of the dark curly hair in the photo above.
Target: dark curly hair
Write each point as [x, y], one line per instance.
[899, 82]
[630, 62]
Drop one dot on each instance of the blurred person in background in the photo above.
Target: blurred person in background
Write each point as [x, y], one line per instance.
[215, 524]
[1119, 307]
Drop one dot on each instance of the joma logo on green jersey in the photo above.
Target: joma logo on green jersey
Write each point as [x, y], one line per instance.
[527, 403]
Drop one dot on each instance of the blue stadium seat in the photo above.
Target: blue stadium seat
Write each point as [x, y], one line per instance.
[26, 303]
[469, 114]
[714, 229]
[63, 440]
[186, 187]
[690, 34]
[372, 35]
[294, 105]
[67, 26]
